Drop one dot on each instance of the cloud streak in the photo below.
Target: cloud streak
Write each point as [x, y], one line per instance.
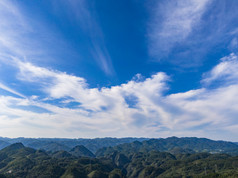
[87, 20]
[6, 88]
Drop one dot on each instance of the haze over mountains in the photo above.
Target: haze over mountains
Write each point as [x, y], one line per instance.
[56, 144]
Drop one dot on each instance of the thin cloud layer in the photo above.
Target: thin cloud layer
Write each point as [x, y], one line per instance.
[189, 33]
[87, 21]
[179, 18]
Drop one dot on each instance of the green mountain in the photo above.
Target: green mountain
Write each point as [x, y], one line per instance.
[161, 164]
[61, 154]
[81, 151]
[173, 145]
[17, 160]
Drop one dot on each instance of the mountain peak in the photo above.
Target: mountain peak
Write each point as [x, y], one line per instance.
[15, 146]
[81, 150]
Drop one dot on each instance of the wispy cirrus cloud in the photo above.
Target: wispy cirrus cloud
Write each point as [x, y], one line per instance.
[11, 29]
[28, 37]
[185, 33]
[6, 88]
[173, 22]
[86, 18]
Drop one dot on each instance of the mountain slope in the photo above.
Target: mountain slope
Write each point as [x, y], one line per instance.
[81, 150]
[17, 160]
[3, 144]
[186, 144]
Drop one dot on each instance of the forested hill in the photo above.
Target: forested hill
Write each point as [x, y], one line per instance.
[174, 145]
[102, 146]
[16, 160]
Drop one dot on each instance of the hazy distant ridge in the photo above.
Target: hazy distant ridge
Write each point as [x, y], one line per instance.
[57, 144]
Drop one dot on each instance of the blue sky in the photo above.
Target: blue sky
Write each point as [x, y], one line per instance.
[124, 68]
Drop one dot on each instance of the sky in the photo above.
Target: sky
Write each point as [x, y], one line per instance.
[128, 68]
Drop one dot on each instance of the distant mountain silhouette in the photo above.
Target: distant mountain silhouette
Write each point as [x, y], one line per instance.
[57, 144]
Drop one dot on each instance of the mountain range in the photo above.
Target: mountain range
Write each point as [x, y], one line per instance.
[57, 144]
[170, 157]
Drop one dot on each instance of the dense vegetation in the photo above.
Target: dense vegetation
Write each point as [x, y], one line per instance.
[174, 145]
[172, 157]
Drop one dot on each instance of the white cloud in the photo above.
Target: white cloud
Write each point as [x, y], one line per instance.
[101, 111]
[105, 112]
[226, 71]
[58, 85]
